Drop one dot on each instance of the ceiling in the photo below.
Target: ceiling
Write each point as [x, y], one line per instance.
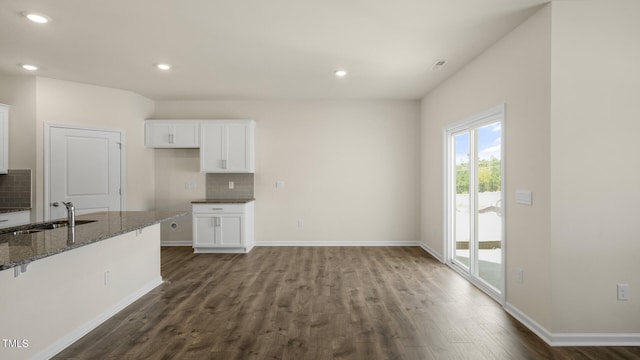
[255, 49]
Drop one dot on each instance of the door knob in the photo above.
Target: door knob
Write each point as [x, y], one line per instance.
[55, 204]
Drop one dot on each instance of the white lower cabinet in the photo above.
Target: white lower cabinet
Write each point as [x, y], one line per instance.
[15, 219]
[223, 228]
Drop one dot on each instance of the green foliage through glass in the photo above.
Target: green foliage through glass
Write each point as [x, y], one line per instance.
[488, 176]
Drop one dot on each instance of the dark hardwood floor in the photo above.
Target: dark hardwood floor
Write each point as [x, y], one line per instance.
[317, 303]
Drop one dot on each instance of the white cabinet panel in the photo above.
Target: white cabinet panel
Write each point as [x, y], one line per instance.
[172, 134]
[14, 219]
[4, 139]
[204, 230]
[212, 147]
[227, 146]
[223, 228]
[230, 230]
[238, 149]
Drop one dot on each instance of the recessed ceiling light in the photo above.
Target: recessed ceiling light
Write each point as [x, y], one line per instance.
[164, 67]
[36, 18]
[340, 73]
[30, 67]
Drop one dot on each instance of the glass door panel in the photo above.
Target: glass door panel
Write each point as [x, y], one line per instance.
[489, 204]
[462, 201]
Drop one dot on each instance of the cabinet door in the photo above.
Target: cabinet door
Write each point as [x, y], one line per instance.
[204, 230]
[171, 134]
[230, 230]
[157, 135]
[185, 135]
[14, 219]
[212, 147]
[4, 139]
[237, 140]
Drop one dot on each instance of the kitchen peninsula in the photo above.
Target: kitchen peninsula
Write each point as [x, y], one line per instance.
[61, 283]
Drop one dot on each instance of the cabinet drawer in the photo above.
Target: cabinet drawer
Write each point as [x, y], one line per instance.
[218, 208]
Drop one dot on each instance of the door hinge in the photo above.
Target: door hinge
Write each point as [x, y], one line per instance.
[120, 192]
[119, 145]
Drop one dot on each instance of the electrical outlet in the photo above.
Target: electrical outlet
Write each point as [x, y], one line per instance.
[231, 185]
[520, 276]
[623, 292]
[300, 223]
[107, 277]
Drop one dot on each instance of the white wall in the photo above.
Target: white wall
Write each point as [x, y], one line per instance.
[20, 93]
[351, 168]
[65, 102]
[595, 172]
[514, 71]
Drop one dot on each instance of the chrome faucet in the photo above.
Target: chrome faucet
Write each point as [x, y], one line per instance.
[71, 214]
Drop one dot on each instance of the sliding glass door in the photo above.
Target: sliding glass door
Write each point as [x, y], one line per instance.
[475, 228]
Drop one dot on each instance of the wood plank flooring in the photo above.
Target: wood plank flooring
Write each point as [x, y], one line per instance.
[317, 303]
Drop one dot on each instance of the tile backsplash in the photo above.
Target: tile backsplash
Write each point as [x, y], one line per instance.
[15, 189]
[218, 186]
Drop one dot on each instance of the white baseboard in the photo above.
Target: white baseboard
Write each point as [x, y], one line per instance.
[337, 243]
[81, 331]
[431, 251]
[177, 243]
[221, 250]
[573, 339]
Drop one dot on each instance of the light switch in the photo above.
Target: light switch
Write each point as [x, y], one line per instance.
[279, 184]
[524, 197]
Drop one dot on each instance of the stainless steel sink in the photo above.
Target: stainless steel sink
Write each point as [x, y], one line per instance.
[59, 224]
[31, 229]
[26, 232]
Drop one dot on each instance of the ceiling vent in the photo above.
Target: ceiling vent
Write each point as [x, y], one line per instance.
[438, 65]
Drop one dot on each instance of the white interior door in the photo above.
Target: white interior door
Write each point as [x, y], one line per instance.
[84, 168]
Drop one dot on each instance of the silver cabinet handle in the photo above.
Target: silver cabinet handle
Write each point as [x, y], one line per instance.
[217, 209]
[170, 138]
[5, 220]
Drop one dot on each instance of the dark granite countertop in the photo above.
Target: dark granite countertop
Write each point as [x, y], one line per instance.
[10, 210]
[24, 248]
[222, 201]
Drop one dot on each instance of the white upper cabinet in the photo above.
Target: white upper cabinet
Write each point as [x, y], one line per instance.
[4, 138]
[226, 146]
[172, 134]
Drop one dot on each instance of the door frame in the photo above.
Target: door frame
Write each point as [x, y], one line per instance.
[483, 117]
[47, 162]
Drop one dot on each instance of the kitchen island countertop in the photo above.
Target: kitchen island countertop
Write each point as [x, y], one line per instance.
[222, 201]
[16, 250]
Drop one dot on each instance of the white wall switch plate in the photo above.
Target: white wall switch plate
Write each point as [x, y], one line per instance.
[279, 184]
[231, 185]
[524, 197]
